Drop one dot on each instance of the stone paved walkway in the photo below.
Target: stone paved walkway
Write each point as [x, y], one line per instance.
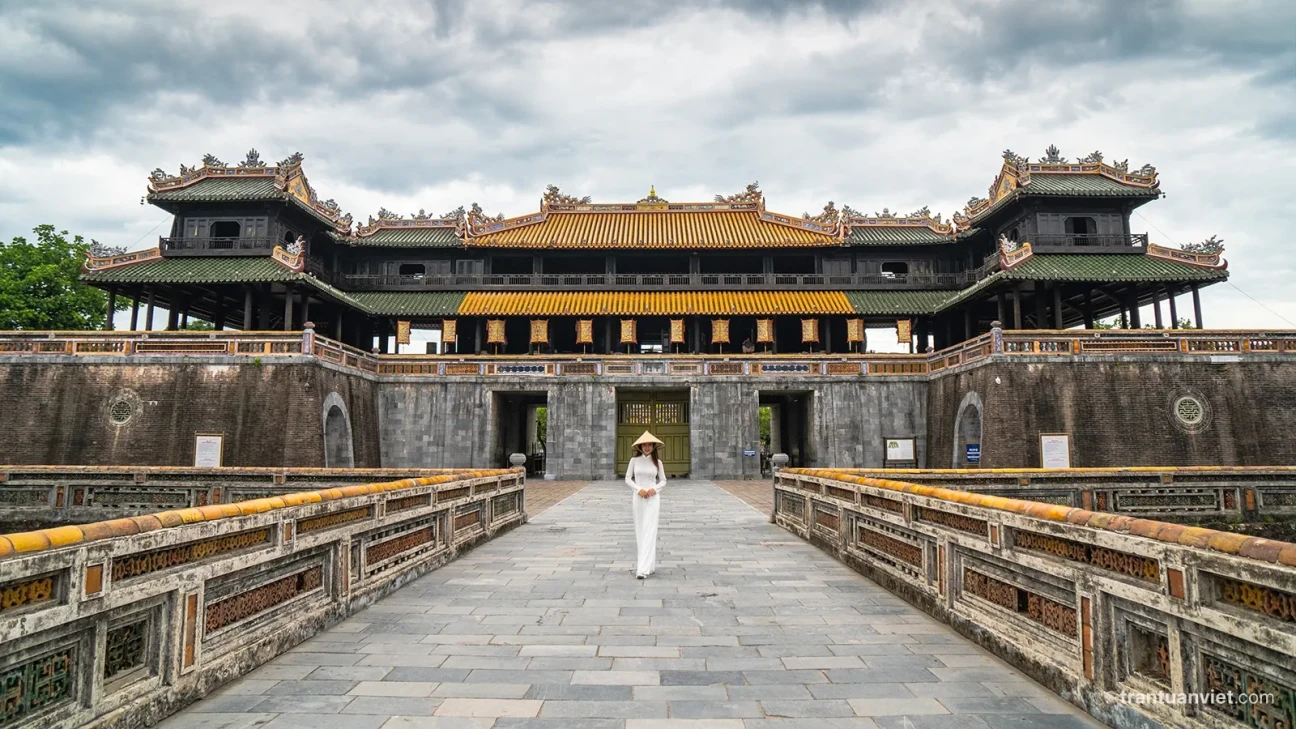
[743, 627]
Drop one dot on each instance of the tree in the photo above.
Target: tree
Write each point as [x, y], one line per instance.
[41, 287]
[198, 325]
[1212, 244]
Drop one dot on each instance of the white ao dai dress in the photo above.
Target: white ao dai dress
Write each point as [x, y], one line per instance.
[644, 474]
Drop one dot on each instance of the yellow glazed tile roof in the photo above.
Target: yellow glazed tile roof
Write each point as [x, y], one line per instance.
[650, 303]
[653, 229]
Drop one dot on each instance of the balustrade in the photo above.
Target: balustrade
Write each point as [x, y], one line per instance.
[1099, 607]
[179, 602]
[217, 246]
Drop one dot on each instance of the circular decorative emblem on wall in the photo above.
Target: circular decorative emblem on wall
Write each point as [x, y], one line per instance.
[123, 408]
[1190, 412]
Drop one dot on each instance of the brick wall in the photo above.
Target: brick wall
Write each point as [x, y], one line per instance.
[270, 415]
[1121, 413]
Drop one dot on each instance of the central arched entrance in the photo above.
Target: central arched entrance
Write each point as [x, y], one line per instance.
[666, 414]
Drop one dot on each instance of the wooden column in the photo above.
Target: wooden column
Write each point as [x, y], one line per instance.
[1057, 306]
[148, 315]
[1156, 308]
[382, 335]
[1135, 320]
[305, 308]
[1124, 323]
[1197, 306]
[967, 323]
[289, 295]
[1040, 320]
[1001, 304]
[218, 317]
[337, 327]
[112, 306]
[1088, 309]
[1174, 315]
[135, 302]
[173, 312]
[827, 335]
[263, 307]
[247, 308]
[1017, 315]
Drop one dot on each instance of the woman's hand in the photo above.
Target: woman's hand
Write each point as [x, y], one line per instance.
[652, 492]
[643, 493]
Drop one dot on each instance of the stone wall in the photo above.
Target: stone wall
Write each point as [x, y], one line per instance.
[1121, 412]
[59, 410]
[1119, 409]
[1095, 606]
[117, 624]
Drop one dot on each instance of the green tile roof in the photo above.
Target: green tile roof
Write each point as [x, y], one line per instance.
[1100, 267]
[215, 270]
[409, 303]
[1049, 183]
[869, 235]
[197, 270]
[407, 238]
[214, 189]
[897, 302]
[1091, 268]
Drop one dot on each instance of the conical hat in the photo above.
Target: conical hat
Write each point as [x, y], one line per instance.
[647, 438]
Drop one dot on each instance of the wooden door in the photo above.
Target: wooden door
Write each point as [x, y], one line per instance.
[665, 414]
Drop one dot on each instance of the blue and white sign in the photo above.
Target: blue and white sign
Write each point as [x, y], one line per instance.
[748, 452]
[974, 453]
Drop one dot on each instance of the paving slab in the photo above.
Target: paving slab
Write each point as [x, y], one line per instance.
[743, 626]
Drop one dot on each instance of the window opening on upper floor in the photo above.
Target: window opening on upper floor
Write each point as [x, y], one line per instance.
[418, 270]
[1080, 228]
[289, 236]
[895, 269]
[226, 229]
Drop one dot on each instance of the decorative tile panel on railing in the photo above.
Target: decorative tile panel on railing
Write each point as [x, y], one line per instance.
[1095, 605]
[203, 594]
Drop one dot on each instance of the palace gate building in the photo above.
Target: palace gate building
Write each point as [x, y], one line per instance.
[681, 317]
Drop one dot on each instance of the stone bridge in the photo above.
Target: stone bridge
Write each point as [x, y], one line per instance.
[321, 609]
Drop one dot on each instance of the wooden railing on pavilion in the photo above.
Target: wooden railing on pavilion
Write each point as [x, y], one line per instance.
[1092, 243]
[216, 246]
[1043, 343]
[659, 281]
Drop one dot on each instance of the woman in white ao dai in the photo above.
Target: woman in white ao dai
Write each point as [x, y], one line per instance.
[645, 477]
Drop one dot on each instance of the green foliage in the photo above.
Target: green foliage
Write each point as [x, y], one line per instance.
[1210, 245]
[765, 427]
[542, 423]
[198, 325]
[41, 288]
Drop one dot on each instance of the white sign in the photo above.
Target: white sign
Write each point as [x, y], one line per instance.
[207, 450]
[900, 449]
[1055, 450]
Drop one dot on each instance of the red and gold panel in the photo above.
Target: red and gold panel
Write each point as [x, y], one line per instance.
[495, 331]
[677, 331]
[402, 332]
[904, 331]
[810, 330]
[448, 331]
[719, 331]
[628, 333]
[765, 331]
[854, 330]
[585, 331]
[539, 331]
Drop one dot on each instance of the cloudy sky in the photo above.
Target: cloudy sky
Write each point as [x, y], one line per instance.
[440, 103]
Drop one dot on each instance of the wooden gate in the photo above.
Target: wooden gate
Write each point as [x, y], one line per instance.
[663, 413]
